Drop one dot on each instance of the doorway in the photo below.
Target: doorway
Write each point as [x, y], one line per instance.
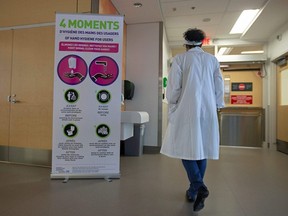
[282, 106]
[26, 95]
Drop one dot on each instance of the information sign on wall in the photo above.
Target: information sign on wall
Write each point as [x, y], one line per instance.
[244, 86]
[241, 99]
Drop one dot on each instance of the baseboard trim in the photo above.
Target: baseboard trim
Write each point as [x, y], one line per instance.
[151, 149]
[28, 156]
[282, 146]
[42, 157]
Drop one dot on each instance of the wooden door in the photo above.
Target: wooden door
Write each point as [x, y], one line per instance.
[282, 108]
[32, 96]
[5, 77]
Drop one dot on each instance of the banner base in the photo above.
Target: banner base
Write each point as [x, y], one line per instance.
[85, 176]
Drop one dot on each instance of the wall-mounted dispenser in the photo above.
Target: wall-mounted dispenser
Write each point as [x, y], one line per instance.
[128, 90]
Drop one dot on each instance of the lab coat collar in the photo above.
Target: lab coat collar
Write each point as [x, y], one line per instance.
[196, 49]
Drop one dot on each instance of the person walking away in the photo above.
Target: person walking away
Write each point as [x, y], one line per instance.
[195, 91]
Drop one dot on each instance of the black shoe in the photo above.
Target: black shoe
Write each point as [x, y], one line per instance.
[189, 198]
[203, 193]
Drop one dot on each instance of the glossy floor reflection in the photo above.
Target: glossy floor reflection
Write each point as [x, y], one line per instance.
[244, 182]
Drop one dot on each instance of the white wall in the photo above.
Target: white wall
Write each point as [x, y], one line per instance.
[144, 57]
[276, 48]
[167, 55]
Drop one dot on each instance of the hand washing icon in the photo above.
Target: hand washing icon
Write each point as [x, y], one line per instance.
[72, 64]
[103, 70]
[72, 69]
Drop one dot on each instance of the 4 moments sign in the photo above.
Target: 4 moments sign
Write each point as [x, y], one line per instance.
[87, 96]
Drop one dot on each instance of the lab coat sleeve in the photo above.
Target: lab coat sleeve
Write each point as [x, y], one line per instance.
[174, 86]
[219, 88]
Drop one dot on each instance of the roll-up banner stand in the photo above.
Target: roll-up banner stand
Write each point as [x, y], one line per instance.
[87, 96]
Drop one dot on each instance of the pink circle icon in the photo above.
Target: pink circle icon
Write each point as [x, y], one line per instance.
[103, 70]
[72, 69]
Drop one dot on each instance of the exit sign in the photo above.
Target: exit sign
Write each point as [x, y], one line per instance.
[206, 41]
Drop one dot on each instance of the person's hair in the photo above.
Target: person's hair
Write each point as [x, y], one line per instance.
[194, 34]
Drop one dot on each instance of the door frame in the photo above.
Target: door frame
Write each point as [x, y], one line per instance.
[281, 137]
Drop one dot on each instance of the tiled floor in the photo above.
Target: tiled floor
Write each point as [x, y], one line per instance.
[244, 182]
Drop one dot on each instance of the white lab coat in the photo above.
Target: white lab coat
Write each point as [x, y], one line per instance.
[194, 92]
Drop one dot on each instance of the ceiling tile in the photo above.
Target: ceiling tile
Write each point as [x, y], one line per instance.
[193, 20]
[223, 15]
[149, 12]
[237, 5]
[182, 8]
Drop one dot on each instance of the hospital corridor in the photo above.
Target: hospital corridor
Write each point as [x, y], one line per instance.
[114, 108]
[244, 182]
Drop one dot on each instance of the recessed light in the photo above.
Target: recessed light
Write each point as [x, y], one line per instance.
[137, 4]
[206, 20]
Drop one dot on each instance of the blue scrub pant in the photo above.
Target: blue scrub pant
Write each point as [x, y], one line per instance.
[195, 170]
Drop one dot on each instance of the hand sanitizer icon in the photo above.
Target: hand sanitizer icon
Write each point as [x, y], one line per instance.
[72, 64]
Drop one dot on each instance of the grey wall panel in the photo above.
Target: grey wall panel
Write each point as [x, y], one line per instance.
[3, 153]
[242, 127]
[30, 156]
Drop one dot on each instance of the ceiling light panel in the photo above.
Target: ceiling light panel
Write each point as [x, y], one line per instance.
[253, 52]
[224, 50]
[246, 18]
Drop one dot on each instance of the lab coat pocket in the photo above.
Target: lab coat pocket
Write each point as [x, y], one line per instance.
[171, 112]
